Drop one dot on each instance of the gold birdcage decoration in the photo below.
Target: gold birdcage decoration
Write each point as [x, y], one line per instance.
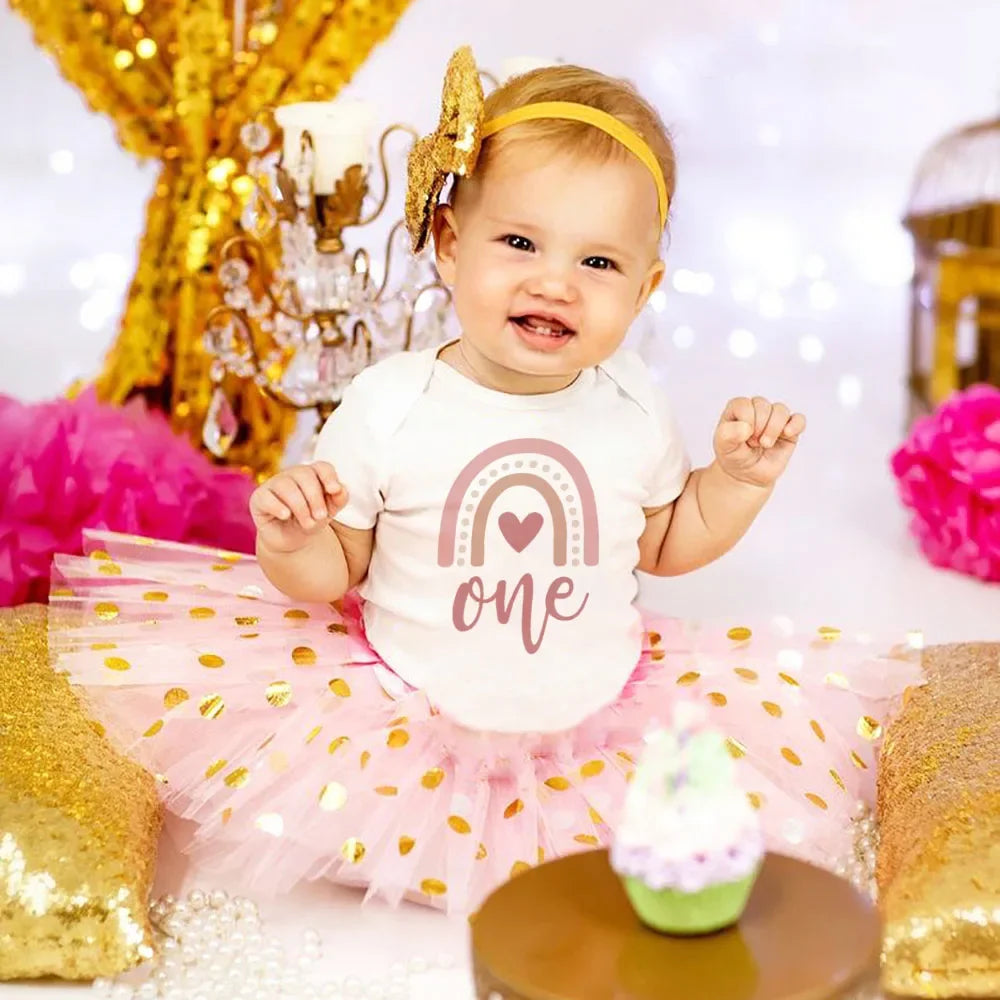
[954, 218]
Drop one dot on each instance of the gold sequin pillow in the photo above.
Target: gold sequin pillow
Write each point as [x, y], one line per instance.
[79, 825]
[938, 866]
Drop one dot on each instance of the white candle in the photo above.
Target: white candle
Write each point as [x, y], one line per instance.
[516, 65]
[340, 132]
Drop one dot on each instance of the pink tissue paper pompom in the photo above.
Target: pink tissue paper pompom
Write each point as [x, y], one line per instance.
[948, 474]
[66, 465]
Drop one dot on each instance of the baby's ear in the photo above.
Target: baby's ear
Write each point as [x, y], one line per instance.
[445, 231]
[650, 283]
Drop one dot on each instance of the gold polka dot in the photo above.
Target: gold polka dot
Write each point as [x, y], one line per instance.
[227, 815]
[117, 663]
[313, 733]
[387, 790]
[772, 709]
[97, 647]
[97, 727]
[397, 738]
[406, 845]
[211, 660]
[481, 852]
[221, 567]
[816, 800]
[746, 674]
[215, 767]
[587, 838]
[657, 655]
[106, 611]
[433, 887]
[237, 778]
[61, 592]
[739, 634]
[459, 825]
[297, 614]
[175, 697]
[340, 687]
[735, 747]
[400, 720]
[246, 620]
[718, 699]
[336, 744]
[278, 694]
[837, 681]
[828, 633]
[99, 554]
[211, 706]
[869, 729]
[109, 569]
[592, 769]
[655, 638]
[558, 784]
[755, 799]
[303, 656]
[332, 796]
[335, 628]
[595, 817]
[278, 762]
[154, 728]
[541, 855]
[858, 762]
[818, 730]
[432, 778]
[686, 680]
[156, 596]
[202, 612]
[629, 777]
[791, 756]
[230, 557]
[365, 757]
[518, 868]
[626, 756]
[513, 809]
[789, 679]
[838, 779]
[353, 851]
[271, 823]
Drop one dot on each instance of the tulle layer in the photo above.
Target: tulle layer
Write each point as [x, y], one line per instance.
[300, 755]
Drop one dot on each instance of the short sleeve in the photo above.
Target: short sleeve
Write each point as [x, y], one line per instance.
[350, 443]
[671, 465]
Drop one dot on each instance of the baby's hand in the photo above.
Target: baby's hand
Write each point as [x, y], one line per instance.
[295, 504]
[755, 439]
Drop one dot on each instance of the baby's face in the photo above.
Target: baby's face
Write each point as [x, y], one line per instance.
[550, 258]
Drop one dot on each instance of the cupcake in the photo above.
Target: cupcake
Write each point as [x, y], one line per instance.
[689, 845]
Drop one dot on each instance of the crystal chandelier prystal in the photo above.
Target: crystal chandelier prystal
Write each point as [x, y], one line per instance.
[301, 314]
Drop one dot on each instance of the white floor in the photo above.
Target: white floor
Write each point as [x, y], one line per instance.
[797, 137]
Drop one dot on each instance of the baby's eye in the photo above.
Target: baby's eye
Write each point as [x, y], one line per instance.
[600, 264]
[519, 242]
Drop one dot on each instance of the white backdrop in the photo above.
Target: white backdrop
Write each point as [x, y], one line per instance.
[798, 128]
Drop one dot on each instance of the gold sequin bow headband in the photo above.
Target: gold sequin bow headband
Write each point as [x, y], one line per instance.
[453, 147]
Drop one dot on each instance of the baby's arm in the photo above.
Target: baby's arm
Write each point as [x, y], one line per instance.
[711, 515]
[300, 549]
[754, 441]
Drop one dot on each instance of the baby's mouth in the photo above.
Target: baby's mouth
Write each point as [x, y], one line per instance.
[542, 325]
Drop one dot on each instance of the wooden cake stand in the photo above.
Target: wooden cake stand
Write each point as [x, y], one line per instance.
[566, 931]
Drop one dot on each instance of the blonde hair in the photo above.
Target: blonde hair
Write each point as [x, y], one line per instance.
[580, 86]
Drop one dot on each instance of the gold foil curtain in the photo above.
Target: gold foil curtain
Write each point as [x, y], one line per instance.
[179, 78]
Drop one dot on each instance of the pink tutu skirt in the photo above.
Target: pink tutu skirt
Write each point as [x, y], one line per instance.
[298, 754]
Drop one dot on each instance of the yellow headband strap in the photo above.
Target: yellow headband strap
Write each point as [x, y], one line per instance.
[628, 137]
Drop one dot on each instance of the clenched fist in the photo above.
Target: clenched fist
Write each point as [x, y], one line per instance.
[295, 504]
[755, 439]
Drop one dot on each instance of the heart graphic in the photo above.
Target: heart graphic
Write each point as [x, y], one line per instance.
[519, 531]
